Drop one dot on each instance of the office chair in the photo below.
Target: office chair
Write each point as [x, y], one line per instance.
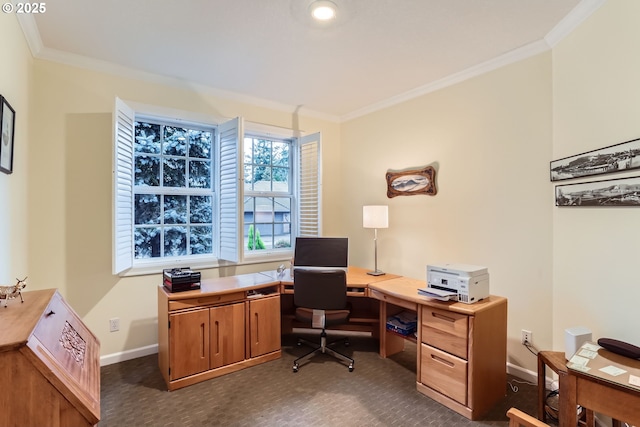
[517, 418]
[320, 297]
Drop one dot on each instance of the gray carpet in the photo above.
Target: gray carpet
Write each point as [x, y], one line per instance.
[379, 392]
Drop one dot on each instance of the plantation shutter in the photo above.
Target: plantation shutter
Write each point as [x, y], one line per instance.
[309, 186]
[124, 128]
[230, 202]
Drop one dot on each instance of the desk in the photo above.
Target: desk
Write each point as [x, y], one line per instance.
[600, 391]
[461, 348]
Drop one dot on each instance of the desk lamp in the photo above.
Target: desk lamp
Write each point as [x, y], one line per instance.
[375, 217]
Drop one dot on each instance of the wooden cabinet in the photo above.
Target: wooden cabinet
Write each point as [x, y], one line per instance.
[202, 335]
[189, 338]
[227, 334]
[264, 325]
[462, 354]
[49, 364]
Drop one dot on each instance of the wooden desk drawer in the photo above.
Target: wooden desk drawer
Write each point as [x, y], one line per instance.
[446, 330]
[444, 373]
[392, 300]
[205, 300]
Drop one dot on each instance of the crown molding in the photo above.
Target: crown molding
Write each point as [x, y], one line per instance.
[32, 35]
[508, 58]
[577, 16]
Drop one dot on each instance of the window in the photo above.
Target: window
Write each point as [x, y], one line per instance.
[268, 194]
[173, 190]
[191, 194]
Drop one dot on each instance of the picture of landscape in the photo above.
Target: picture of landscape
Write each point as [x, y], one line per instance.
[615, 158]
[411, 182]
[612, 192]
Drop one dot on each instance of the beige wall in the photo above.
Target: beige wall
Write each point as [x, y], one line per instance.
[596, 85]
[15, 78]
[70, 192]
[490, 141]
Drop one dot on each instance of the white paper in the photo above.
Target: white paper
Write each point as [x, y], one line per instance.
[590, 354]
[438, 294]
[612, 370]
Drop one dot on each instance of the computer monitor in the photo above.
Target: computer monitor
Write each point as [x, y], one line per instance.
[321, 253]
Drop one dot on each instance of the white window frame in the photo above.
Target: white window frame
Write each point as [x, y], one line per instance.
[227, 186]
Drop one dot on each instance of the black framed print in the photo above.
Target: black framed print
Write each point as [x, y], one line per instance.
[614, 158]
[8, 122]
[608, 192]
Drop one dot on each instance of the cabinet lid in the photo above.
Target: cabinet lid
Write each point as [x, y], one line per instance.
[19, 319]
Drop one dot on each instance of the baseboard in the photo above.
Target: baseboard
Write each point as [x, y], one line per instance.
[110, 359]
[522, 373]
[530, 376]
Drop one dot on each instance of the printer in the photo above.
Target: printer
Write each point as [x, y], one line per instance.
[469, 282]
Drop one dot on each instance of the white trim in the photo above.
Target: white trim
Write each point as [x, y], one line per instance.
[262, 129]
[522, 373]
[31, 33]
[122, 356]
[581, 12]
[508, 58]
[40, 52]
[577, 16]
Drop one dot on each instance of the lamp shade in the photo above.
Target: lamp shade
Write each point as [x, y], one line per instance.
[376, 216]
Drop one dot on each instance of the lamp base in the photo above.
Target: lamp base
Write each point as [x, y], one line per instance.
[376, 273]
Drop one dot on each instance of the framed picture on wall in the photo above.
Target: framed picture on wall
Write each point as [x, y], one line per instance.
[609, 192]
[614, 158]
[411, 182]
[7, 121]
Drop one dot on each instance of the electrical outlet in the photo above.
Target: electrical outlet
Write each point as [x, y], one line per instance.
[114, 324]
[527, 337]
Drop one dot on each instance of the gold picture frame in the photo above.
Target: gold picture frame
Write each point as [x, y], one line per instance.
[412, 182]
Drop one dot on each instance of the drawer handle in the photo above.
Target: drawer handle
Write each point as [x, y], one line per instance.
[443, 317]
[50, 313]
[443, 361]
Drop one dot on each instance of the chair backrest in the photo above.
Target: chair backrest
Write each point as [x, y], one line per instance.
[320, 289]
[517, 418]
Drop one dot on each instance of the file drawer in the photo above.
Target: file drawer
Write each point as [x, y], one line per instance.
[444, 373]
[446, 330]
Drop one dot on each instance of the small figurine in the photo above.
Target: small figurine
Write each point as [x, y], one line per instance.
[10, 292]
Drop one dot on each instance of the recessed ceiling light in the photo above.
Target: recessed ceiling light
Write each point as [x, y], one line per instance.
[323, 10]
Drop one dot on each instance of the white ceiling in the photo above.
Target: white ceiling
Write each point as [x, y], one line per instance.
[375, 52]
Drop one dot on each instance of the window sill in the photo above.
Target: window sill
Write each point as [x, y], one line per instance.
[156, 266]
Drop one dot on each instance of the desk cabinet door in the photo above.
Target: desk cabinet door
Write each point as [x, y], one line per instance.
[189, 338]
[264, 324]
[227, 334]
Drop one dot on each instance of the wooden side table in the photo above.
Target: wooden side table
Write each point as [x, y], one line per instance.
[558, 364]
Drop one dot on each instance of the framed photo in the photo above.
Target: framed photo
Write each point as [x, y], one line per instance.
[614, 158]
[610, 192]
[7, 123]
[411, 182]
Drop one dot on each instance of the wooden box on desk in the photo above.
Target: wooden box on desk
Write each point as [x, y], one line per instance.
[49, 364]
